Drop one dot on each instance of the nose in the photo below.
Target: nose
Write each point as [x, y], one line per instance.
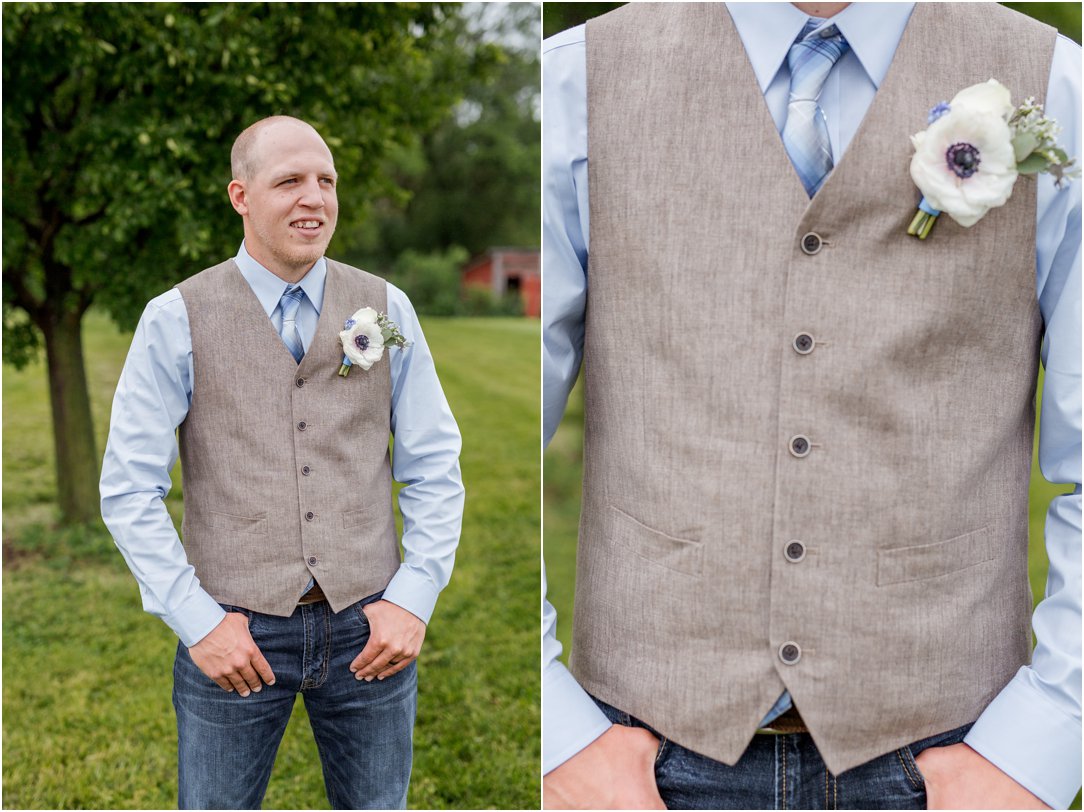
[312, 195]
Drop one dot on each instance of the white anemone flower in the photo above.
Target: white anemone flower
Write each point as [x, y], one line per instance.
[363, 341]
[964, 163]
[986, 97]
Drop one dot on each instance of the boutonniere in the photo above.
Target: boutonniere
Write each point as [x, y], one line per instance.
[364, 337]
[975, 147]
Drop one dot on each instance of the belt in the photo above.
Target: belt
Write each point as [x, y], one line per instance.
[314, 595]
[788, 722]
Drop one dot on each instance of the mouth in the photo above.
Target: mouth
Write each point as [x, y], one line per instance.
[308, 227]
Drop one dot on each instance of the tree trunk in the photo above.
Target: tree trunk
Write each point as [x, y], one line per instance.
[73, 429]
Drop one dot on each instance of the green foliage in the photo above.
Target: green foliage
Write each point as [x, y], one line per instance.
[474, 179]
[87, 719]
[118, 121]
[431, 279]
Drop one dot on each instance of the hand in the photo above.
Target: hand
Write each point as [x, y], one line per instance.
[957, 777]
[615, 771]
[395, 638]
[230, 656]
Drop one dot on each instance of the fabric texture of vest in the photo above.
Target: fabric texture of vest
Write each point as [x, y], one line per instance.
[908, 602]
[286, 466]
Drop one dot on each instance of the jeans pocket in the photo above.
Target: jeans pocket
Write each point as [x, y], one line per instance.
[910, 769]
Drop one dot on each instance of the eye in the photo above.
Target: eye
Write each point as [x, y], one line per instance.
[328, 181]
[288, 181]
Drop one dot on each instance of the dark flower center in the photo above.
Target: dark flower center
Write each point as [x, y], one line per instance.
[963, 159]
[361, 342]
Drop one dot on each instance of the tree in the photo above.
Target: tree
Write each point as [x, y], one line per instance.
[118, 120]
[474, 180]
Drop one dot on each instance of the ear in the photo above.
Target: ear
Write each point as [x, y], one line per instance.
[238, 196]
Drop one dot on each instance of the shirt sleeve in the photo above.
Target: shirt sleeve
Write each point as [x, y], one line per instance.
[1032, 729]
[425, 459]
[151, 401]
[570, 718]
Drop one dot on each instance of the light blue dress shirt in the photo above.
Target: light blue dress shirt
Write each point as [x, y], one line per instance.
[1032, 729]
[152, 400]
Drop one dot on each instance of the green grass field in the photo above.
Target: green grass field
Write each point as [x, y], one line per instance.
[561, 512]
[88, 721]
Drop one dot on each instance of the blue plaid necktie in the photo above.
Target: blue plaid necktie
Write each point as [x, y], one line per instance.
[288, 305]
[805, 133]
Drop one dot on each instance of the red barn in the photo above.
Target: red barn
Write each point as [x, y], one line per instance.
[509, 270]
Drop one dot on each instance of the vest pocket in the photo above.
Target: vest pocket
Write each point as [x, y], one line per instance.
[681, 555]
[917, 563]
[237, 524]
[353, 518]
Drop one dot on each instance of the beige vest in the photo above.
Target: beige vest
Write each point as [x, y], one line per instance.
[879, 574]
[286, 466]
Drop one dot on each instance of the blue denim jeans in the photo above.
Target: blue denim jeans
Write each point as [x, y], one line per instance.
[785, 771]
[363, 730]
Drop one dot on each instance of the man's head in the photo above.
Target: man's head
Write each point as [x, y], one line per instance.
[284, 187]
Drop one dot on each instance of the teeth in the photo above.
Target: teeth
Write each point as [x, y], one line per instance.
[307, 224]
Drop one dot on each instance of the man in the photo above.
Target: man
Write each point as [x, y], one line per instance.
[802, 568]
[289, 579]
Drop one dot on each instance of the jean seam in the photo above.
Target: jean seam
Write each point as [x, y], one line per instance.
[662, 746]
[783, 744]
[306, 653]
[903, 754]
[326, 659]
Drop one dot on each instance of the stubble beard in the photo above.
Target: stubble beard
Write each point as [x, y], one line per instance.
[297, 258]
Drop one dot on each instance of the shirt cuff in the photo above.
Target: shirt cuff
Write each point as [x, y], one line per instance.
[195, 618]
[413, 592]
[1024, 734]
[570, 718]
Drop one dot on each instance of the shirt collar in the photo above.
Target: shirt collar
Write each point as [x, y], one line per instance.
[269, 288]
[767, 30]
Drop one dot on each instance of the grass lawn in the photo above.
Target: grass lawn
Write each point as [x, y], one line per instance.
[88, 721]
[561, 511]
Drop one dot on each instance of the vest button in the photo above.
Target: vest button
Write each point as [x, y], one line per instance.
[794, 551]
[302, 426]
[312, 561]
[310, 516]
[790, 653]
[306, 470]
[799, 446]
[300, 382]
[811, 243]
[803, 343]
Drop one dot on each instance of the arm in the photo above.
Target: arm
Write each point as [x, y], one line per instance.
[588, 762]
[1026, 746]
[426, 460]
[151, 400]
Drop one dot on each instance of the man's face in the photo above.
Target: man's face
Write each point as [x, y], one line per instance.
[289, 203]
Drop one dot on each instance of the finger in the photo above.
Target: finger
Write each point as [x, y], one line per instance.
[369, 653]
[376, 666]
[238, 684]
[251, 678]
[263, 668]
[224, 684]
[395, 667]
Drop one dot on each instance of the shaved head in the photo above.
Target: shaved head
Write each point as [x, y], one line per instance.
[245, 155]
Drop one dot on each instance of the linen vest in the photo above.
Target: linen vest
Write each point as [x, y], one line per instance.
[285, 466]
[906, 598]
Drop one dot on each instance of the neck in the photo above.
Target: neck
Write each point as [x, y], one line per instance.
[824, 10]
[287, 272]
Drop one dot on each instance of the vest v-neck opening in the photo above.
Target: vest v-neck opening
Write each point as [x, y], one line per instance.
[749, 81]
[270, 327]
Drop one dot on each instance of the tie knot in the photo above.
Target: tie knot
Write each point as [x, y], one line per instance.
[813, 54]
[290, 301]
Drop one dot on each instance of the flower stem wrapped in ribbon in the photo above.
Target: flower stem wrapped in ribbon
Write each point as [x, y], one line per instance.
[968, 159]
[364, 337]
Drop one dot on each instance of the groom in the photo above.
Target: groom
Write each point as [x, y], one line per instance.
[289, 579]
[802, 568]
